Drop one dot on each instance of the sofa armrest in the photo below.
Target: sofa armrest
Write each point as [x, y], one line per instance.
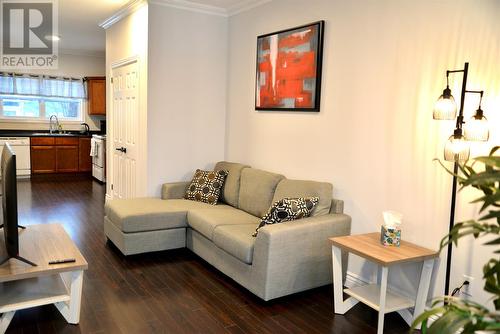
[174, 190]
[297, 255]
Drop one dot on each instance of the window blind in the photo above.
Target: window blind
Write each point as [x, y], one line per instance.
[41, 85]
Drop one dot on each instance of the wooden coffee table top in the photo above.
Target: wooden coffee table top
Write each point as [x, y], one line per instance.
[41, 244]
[369, 247]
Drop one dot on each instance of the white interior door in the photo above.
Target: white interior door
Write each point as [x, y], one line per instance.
[125, 130]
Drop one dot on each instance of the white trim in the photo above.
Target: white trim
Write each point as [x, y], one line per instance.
[353, 280]
[125, 11]
[124, 61]
[244, 6]
[192, 6]
[86, 53]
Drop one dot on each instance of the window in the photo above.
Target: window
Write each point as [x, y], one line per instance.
[40, 108]
[36, 98]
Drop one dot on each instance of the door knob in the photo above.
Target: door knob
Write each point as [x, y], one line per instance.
[121, 149]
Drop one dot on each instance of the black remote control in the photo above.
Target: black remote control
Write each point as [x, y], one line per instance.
[62, 261]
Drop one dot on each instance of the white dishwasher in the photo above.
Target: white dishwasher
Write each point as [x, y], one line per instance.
[21, 146]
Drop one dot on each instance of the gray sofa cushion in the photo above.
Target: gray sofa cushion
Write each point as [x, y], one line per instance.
[299, 188]
[236, 240]
[149, 214]
[257, 190]
[206, 220]
[231, 189]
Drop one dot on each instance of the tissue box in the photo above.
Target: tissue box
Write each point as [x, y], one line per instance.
[390, 236]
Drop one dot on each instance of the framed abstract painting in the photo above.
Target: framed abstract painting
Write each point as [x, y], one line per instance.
[289, 69]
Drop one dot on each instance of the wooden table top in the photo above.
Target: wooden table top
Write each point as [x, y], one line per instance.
[369, 247]
[41, 244]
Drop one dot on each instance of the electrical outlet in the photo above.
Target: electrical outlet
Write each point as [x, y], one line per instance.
[468, 278]
[467, 289]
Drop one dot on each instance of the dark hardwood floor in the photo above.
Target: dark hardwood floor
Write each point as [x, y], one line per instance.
[164, 292]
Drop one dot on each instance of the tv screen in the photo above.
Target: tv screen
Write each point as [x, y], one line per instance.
[9, 201]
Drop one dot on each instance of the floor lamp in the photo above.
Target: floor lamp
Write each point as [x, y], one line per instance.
[457, 147]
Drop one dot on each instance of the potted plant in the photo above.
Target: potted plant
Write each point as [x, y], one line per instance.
[454, 315]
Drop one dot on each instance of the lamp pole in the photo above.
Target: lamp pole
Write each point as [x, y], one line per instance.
[460, 121]
[452, 223]
[454, 153]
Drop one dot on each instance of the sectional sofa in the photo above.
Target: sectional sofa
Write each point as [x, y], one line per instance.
[283, 258]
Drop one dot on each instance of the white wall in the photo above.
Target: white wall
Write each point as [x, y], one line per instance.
[186, 93]
[70, 65]
[126, 39]
[374, 139]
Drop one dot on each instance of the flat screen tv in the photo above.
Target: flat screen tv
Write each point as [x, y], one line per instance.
[9, 206]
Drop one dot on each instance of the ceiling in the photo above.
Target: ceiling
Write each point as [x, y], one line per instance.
[79, 20]
[79, 24]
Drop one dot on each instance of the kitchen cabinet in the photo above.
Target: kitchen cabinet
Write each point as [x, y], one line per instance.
[66, 159]
[60, 155]
[85, 160]
[43, 159]
[67, 141]
[96, 90]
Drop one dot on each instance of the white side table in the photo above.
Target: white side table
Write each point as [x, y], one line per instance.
[378, 296]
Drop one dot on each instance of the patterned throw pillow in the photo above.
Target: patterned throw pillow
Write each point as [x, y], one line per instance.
[288, 209]
[206, 186]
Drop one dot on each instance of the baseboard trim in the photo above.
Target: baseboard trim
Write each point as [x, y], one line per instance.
[354, 280]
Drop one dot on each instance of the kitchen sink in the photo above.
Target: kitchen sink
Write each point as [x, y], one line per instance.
[39, 134]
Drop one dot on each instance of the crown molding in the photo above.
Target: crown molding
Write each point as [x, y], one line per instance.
[134, 5]
[126, 10]
[244, 6]
[192, 6]
[86, 53]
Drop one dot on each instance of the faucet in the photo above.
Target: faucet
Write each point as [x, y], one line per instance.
[51, 128]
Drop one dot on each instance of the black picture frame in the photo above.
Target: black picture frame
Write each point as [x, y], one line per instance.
[320, 26]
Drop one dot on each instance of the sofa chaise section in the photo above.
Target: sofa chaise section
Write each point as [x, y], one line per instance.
[143, 225]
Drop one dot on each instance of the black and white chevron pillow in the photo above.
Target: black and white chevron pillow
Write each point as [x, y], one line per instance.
[288, 209]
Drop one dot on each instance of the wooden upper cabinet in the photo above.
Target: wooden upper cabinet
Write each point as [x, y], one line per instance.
[96, 88]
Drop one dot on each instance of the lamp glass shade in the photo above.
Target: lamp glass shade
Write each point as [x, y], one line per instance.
[476, 129]
[445, 108]
[456, 149]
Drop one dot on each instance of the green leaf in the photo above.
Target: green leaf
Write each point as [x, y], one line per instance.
[426, 315]
[488, 200]
[490, 215]
[482, 178]
[493, 150]
[465, 316]
[490, 161]
[493, 242]
[450, 323]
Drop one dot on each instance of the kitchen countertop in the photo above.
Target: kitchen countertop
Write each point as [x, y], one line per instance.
[43, 133]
